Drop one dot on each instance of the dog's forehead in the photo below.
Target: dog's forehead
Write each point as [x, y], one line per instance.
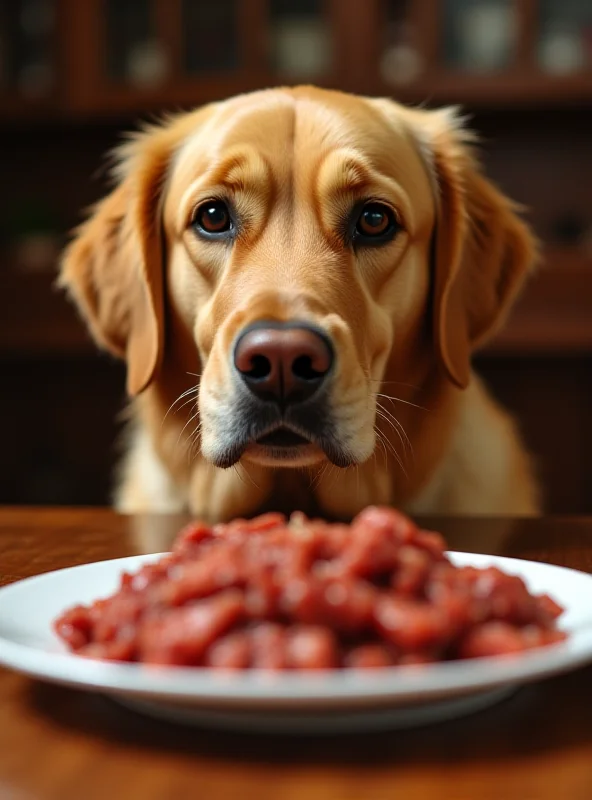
[296, 128]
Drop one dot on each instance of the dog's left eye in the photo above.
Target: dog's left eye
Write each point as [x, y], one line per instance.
[376, 223]
[212, 218]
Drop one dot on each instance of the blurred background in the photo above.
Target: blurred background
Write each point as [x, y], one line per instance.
[75, 73]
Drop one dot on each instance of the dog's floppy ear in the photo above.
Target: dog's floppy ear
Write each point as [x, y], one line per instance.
[114, 266]
[482, 251]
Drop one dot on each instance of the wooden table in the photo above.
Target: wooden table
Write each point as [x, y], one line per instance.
[66, 744]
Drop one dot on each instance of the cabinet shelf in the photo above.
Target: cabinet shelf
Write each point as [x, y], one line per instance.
[554, 315]
[507, 90]
[37, 320]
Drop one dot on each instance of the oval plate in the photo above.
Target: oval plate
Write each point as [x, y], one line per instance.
[336, 700]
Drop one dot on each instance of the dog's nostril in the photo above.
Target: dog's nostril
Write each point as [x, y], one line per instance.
[303, 369]
[260, 368]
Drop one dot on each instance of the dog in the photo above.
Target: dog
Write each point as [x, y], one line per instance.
[297, 280]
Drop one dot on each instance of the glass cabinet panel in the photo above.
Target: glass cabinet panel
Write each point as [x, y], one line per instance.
[134, 52]
[27, 47]
[479, 35]
[401, 62]
[300, 46]
[565, 36]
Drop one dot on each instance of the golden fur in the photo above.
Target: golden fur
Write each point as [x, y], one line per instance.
[420, 429]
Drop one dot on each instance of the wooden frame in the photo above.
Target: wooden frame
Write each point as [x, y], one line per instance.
[83, 90]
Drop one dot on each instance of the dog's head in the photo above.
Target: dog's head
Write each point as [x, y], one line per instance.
[307, 243]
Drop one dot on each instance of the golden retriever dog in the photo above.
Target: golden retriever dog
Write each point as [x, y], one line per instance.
[297, 280]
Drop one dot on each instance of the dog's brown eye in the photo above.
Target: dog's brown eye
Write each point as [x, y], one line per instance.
[212, 218]
[376, 220]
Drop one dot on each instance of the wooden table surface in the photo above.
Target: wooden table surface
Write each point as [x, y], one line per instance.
[73, 745]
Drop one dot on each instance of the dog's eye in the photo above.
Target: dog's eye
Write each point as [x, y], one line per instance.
[376, 222]
[212, 218]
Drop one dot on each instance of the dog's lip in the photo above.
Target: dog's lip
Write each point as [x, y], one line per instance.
[283, 436]
[258, 440]
[336, 455]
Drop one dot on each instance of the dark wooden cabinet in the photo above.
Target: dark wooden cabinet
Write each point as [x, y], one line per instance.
[98, 57]
[75, 73]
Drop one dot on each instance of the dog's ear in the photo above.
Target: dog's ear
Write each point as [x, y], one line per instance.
[113, 268]
[482, 251]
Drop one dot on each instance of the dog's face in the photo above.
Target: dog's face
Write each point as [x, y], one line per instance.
[298, 253]
[307, 242]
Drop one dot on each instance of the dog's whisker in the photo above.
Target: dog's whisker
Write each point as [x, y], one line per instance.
[393, 383]
[382, 441]
[313, 478]
[193, 442]
[319, 476]
[186, 403]
[401, 432]
[375, 464]
[394, 399]
[336, 472]
[326, 471]
[397, 457]
[249, 476]
[323, 473]
[397, 427]
[188, 392]
[394, 451]
[379, 439]
[239, 476]
[191, 390]
[189, 421]
[195, 437]
[396, 422]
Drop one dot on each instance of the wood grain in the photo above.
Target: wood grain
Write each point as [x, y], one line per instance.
[66, 744]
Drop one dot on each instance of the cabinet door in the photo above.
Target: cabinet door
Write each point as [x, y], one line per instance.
[479, 36]
[301, 44]
[157, 54]
[564, 41]
[28, 55]
[134, 52]
[117, 55]
[143, 55]
[210, 34]
[483, 53]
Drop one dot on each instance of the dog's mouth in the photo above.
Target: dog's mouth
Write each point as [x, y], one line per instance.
[282, 437]
[304, 435]
[283, 446]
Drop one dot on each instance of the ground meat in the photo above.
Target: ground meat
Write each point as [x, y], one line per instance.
[303, 594]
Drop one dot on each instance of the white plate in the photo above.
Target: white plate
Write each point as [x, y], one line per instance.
[291, 702]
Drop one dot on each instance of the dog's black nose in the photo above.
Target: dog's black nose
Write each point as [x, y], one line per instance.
[283, 362]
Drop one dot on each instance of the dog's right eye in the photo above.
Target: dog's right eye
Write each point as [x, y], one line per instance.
[212, 219]
[376, 224]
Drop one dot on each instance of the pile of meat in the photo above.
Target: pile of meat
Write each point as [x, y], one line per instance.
[283, 594]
